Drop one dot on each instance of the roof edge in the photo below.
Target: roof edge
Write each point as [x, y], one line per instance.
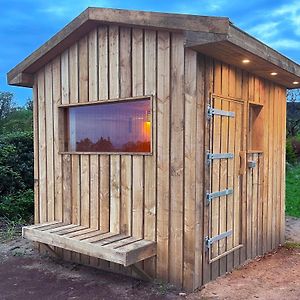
[92, 16]
[244, 40]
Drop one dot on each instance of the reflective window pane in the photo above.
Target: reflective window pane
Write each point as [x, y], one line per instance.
[123, 126]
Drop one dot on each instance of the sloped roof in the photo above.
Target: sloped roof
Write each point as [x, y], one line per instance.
[214, 36]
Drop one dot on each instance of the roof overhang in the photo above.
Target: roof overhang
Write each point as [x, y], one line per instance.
[213, 36]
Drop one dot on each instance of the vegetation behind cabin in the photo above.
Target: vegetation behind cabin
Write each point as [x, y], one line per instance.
[16, 161]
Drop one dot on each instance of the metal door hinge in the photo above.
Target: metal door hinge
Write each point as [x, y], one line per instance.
[211, 156]
[211, 196]
[213, 111]
[210, 241]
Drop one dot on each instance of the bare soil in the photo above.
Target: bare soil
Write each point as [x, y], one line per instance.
[25, 274]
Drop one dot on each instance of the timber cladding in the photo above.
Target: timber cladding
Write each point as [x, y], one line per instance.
[161, 197]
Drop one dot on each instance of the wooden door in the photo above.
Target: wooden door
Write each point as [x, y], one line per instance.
[224, 195]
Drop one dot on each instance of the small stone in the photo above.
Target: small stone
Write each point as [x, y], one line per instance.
[182, 294]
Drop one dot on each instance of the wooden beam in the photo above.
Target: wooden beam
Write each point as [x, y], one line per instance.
[22, 79]
[157, 20]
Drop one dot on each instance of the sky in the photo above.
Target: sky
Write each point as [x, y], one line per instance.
[26, 24]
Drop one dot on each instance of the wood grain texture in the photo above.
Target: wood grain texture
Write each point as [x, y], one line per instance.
[176, 160]
[161, 196]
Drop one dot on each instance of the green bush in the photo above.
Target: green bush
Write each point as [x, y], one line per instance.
[291, 156]
[16, 176]
[17, 206]
[16, 162]
[18, 120]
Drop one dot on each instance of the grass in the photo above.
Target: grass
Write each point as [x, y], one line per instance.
[292, 245]
[10, 229]
[293, 191]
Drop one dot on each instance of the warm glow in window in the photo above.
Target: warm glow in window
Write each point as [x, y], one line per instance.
[123, 126]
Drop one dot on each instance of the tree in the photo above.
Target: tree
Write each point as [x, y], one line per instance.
[29, 104]
[293, 112]
[6, 104]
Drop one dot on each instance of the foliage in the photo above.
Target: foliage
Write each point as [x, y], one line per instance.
[293, 191]
[18, 120]
[293, 112]
[16, 160]
[290, 152]
[17, 206]
[6, 104]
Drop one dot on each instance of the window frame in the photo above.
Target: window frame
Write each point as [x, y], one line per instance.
[63, 120]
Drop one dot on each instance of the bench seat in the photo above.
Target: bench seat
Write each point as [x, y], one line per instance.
[114, 247]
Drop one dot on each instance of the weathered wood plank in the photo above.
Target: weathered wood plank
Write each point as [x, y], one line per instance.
[176, 159]
[137, 161]
[150, 161]
[114, 90]
[36, 150]
[42, 147]
[215, 169]
[126, 160]
[190, 119]
[49, 141]
[163, 140]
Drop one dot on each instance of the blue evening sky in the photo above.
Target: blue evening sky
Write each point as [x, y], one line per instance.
[27, 24]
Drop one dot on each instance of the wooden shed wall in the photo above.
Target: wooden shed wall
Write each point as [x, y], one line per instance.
[263, 188]
[151, 197]
[158, 197]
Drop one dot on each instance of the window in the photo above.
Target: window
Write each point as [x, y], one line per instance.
[256, 127]
[113, 127]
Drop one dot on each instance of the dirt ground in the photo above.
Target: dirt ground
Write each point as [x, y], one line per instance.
[24, 274]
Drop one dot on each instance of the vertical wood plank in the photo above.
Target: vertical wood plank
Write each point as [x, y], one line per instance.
[270, 173]
[200, 171]
[93, 65]
[163, 142]
[114, 159]
[150, 161]
[244, 240]
[83, 94]
[190, 119]
[215, 170]
[227, 79]
[283, 163]
[138, 161]
[58, 138]
[126, 160]
[209, 85]
[176, 176]
[36, 150]
[75, 159]
[42, 147]
[49, 141]
[103, 94]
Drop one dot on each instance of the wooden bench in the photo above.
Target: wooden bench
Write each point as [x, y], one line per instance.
[114, 247]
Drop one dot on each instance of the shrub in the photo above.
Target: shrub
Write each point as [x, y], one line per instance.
[17, 206]
[16, 176]
[16, 162]
[290, 152]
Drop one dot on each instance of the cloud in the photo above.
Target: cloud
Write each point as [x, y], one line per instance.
[283, 44]
[289, 15]
[265, 31]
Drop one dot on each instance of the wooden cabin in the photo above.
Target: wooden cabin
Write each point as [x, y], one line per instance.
[159, 144]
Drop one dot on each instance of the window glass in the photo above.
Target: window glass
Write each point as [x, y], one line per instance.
[123, 126]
